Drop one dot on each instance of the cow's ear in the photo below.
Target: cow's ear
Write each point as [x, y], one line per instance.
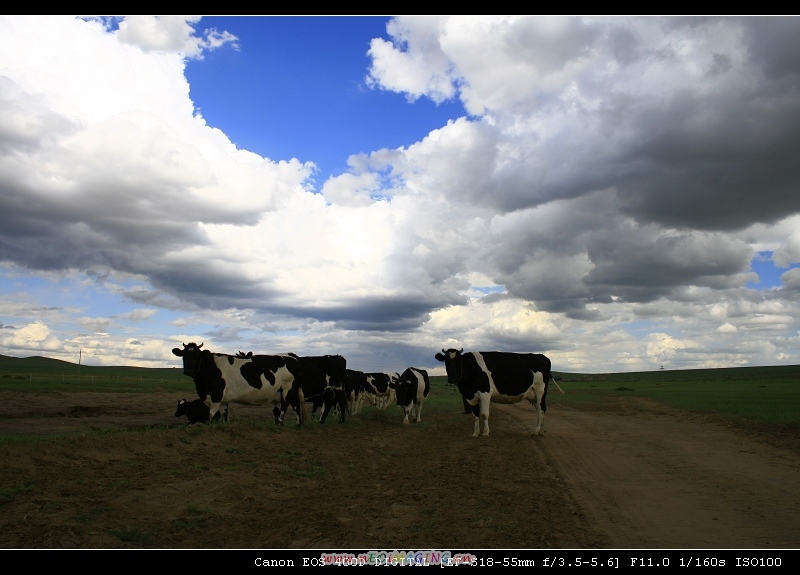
[177, 351]
[439, 356]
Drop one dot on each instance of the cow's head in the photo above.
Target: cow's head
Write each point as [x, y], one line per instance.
[192, 357]
[183, 407]
[242, 355]
[452, 363]
[405, 391]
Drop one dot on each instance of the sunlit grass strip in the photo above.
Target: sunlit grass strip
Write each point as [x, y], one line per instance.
[766, 395]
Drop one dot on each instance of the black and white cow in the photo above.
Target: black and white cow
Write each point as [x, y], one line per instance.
[220, 378]
[486, 376]
[412, 387]
[195, 411]
[379, 389]
[322, 380]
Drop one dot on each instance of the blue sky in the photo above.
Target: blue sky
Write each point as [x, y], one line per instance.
[618, 193]
[296, 86]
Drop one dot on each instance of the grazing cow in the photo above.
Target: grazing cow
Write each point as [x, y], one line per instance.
[322, 380]
[379, 388]
[254, 380]
[486, 376]
[196, 411]
[412, 388]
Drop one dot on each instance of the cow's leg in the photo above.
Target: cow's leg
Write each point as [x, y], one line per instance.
[297, 400]
[539, 389]
[318, 410]
[329, 399]
[214, 413]
[406, 412]
[341, 400]
[485, 403]
[474, 405]
[419, 412]
[214, 402]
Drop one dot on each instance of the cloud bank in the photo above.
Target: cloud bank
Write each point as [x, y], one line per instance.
[601, 200]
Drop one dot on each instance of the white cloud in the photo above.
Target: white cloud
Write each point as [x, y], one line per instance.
[30, 338]
[139, 314]
[791, 279]
[413, 61]
[611, 185]
[170, 34]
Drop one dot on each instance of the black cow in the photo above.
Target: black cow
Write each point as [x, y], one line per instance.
[322, 380]
[254, 380]
[412, 387]
[196, 411]
[486, 376]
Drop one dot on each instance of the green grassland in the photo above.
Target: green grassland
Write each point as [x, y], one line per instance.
[769, 395]
[42, 374]
[765, 394]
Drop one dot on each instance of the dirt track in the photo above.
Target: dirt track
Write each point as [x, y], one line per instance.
[630, 474]
[649, 477]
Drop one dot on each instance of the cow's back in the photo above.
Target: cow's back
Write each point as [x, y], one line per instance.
[512, 374]
[256, 380]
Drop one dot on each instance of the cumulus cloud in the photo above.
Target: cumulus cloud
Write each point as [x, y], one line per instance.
[791, 279]
[169, 34]
[611, 180]
[31, 338]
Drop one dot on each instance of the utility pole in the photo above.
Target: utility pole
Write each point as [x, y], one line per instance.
[80, 354]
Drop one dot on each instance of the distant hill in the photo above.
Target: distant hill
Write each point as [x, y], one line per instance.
[36, 363]
[47, 365]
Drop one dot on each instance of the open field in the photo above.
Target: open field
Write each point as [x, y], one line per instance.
[654, 460]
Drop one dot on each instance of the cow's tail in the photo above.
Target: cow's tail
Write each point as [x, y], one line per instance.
[553, 379]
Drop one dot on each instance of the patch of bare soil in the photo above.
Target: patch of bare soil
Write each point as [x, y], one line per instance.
[90, 470]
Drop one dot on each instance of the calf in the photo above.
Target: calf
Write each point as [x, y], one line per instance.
[196, 411]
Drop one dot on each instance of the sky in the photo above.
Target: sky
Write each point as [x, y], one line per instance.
[619, 193]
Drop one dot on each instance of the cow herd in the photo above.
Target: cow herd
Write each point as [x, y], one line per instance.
[290, 380]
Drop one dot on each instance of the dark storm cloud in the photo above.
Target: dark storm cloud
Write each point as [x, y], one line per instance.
[713, 165]
[772, 43]
[211, 285]
[714, 153]
[636, 269]
[389, 313]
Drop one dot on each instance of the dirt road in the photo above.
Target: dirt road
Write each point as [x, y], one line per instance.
[124, 473]
[649, 477]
